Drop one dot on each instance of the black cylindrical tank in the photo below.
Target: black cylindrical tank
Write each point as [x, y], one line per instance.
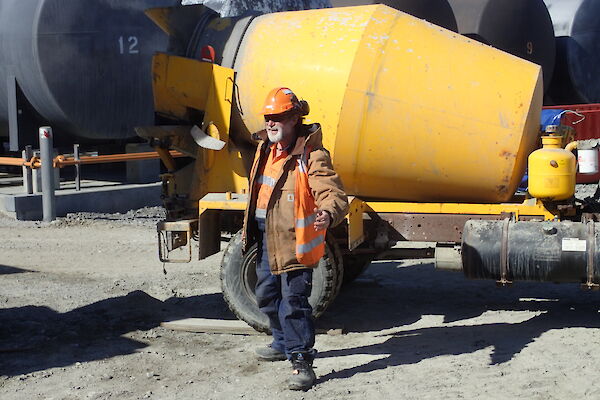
[84, 65]
[519, 27]
[534, 251]
[437, 12]
[577, 30]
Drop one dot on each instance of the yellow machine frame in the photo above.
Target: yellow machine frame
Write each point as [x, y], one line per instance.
[182, 84]
[530, 208]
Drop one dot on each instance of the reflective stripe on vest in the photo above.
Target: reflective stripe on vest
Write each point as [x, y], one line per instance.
[266, 180]
[310, 244]
[260, 213]
[307, 247]
[306, 222]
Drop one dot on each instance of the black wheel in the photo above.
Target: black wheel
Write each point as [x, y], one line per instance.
[238, 280]
[354, 265]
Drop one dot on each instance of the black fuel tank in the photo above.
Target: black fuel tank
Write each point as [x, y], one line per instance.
[535, 251]
[519, 27]
[577, 30]
[83, 65]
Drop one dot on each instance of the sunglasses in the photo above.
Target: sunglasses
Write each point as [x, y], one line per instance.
[277, 117]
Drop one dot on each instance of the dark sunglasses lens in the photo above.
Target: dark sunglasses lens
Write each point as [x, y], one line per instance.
[275, 118]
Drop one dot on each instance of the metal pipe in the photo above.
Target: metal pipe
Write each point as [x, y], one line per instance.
[62, 161]
[17, 162]
[48, 200]
[33, 163]
[77, 167]
[166, 158]
[27, 173]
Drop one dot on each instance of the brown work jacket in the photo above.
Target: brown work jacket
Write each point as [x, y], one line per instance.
[326, 188]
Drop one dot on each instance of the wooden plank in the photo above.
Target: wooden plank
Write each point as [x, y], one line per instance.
[235, 327]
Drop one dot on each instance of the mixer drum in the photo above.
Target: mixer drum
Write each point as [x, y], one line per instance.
[409, 110]
[437, 12]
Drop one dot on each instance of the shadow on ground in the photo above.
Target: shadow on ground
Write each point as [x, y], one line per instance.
[389, 296]
[392, 294]
[5, 270]
[37, 338]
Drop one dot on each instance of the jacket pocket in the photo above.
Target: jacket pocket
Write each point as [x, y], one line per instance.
[286, 209]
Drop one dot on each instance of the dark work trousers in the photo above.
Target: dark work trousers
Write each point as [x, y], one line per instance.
[284, 299]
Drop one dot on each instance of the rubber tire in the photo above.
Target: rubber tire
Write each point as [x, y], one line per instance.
[355, 265]
[238, 280]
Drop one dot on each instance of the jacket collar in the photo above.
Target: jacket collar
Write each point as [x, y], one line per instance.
[309, 135]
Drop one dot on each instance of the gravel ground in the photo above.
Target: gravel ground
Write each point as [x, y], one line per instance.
[83, 297]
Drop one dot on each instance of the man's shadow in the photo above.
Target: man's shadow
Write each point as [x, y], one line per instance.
[387, 298]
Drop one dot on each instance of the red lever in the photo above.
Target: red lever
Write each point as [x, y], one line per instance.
[207, 54]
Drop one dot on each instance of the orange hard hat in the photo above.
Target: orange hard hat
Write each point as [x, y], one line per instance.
[280, 100]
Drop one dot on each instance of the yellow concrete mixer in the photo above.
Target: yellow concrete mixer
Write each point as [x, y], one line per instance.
[429, 130]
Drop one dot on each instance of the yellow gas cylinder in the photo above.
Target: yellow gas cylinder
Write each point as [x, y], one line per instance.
[552, 171]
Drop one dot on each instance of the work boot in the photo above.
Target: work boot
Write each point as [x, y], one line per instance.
[303, 377]
[268, 353]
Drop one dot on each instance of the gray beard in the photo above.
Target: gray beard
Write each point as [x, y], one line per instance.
[275, 137]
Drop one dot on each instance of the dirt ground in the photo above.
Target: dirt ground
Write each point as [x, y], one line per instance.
[82, 299]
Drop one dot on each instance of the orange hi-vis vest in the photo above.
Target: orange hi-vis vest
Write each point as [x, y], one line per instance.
[310, 244]
[266, 180]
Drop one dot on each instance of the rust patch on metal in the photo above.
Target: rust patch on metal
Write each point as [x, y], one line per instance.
[502, 189]
[507, 154]
[433, 227]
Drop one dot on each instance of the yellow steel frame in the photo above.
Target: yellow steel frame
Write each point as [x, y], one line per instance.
[529, 207]
[356, 235]
[181, 84]
[222, 201]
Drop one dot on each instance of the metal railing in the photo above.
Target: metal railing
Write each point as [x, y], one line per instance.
[62, 161]
[30, 162]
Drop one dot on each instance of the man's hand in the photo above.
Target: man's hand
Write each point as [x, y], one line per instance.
[323, 220]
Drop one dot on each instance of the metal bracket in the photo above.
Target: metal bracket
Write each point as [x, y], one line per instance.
[504, 255]
[591, 251]
[356, 233]
[173, 235]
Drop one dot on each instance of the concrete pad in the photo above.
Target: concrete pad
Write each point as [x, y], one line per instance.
[110, 198]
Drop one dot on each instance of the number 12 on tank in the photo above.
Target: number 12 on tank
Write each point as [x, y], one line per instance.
[128, 45]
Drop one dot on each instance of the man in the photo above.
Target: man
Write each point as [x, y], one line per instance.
[283, 282]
